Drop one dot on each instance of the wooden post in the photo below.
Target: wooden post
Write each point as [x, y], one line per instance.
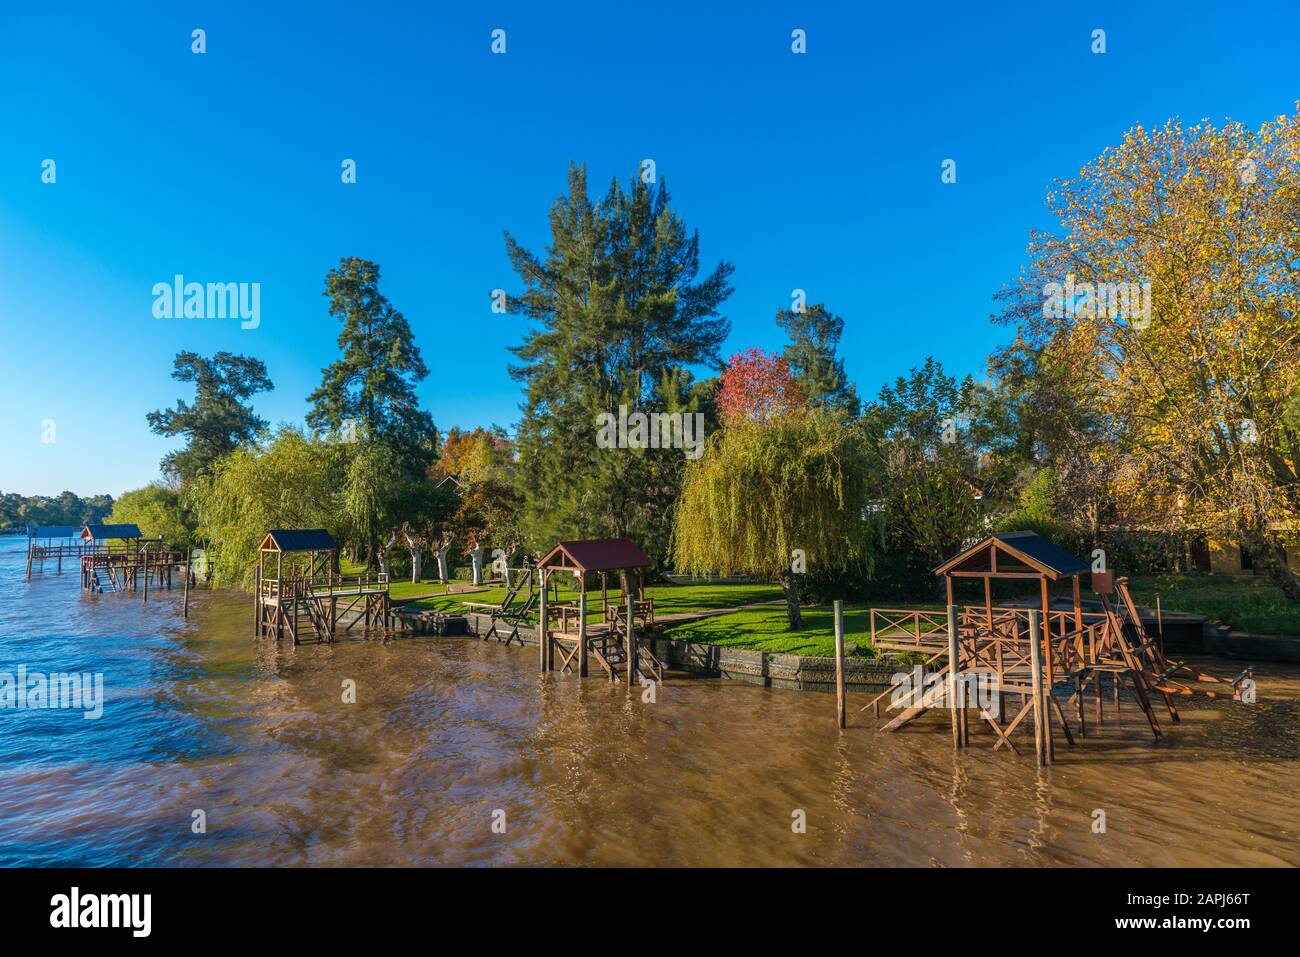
[279, 595]
[146, 576]
[1036, 677]
[1046, 627]
[954, 668]
[582, 626]
[185, 614]
[631, 636]
[257, 602]
[841, 705]
[541, 620]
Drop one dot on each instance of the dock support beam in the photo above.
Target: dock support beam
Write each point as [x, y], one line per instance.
[1041, 753]
[954, 679]
[542, 635]
[631, 639]
[841, 704]
[582, 626]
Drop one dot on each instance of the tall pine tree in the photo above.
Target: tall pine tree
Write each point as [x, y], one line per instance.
[619, 314]
[814, 339]
[368, 394]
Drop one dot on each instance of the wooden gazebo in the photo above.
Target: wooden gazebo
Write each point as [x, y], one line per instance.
[307, 583]
[581, 559]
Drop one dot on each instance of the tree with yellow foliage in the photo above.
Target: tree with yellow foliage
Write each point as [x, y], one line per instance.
[1170, 300]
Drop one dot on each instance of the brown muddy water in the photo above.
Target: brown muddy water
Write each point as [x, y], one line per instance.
[447, 732]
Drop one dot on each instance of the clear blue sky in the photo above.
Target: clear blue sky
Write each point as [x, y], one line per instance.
[819, 171]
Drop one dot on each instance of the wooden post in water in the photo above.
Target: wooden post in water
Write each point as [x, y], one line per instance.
[146, 576]
[257, 602]
[841, 704]
[185, 612]
[582, 626]
[541, 619]
[954, 670]
[1036, 678]
[631, 637]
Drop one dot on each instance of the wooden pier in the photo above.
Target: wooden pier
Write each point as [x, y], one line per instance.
[307, 599]
[614, 644]
[980, 657]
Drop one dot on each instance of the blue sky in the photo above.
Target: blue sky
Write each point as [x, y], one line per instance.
[819, 172]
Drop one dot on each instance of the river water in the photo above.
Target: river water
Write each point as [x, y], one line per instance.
[448, 736]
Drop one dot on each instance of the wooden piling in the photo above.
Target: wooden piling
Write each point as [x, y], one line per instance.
[185, 610]
[1036, 678]
[257, 602]
[631, 638]
[954, 668]
[145, 601]
[542, 639]
[841, 705]
[582, 627]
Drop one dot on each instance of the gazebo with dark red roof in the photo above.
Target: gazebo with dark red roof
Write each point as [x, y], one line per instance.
[580, 558]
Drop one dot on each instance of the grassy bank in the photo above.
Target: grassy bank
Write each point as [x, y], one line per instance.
[1245, 603]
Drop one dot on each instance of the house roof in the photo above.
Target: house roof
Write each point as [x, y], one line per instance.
[1030, 548]
[53, 531]
[100, 533]
[297, 540]
[596, 555]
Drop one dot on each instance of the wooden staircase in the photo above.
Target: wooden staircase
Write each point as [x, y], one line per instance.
[104, 580]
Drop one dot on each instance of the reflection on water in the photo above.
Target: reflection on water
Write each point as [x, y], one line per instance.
[445, 732]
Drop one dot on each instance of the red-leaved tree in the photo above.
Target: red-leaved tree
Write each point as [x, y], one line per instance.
[757, 385]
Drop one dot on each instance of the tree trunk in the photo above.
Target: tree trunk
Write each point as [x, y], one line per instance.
[791, 601]
[442, 563]
[1267, 555]
[628, 585]
[417, 564]
[476, 560]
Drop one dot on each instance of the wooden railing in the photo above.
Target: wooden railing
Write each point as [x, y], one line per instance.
[899, 629]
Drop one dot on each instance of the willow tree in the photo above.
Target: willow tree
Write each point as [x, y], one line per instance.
[1193, 230]
[772, 496]
[290, 480]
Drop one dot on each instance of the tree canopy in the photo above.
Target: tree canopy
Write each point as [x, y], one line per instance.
[1190, 392]
[618, 313]
[219, 420]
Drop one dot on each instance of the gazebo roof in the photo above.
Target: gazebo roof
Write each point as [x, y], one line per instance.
[596, 555]
[298, 540]
[100, 533]
[1035, 557]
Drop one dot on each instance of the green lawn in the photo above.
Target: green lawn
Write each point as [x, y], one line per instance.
[766, 629]
[667, 598]
[1246, 603]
